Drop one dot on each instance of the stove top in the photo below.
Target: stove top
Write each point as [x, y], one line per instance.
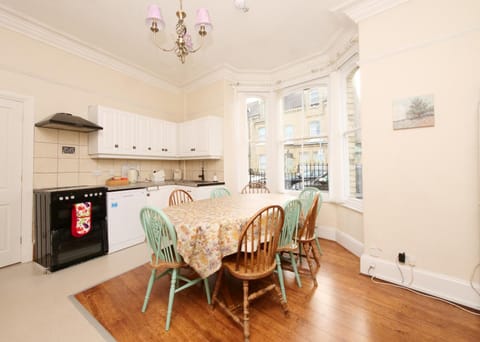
[70, 188]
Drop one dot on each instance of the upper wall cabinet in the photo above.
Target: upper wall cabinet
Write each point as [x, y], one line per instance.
[131, 136]
[128, 135]
[201, 138]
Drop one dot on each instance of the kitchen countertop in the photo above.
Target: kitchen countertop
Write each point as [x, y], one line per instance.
[147, 184]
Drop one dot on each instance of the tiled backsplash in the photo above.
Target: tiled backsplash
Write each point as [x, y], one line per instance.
[53, 167]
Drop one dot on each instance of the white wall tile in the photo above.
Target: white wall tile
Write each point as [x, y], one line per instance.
[44, 180]
[83, 139]
[45, 150]
[67, 165]
[46, 135]
[86, 178]
[87, 165]
[68, 137]
[45, 165]
[68, 179]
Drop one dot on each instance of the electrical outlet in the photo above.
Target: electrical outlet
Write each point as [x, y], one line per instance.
[411, 260]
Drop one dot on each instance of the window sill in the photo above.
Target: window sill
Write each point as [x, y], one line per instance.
[353, 204]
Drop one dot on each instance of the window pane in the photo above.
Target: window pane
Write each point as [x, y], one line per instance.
[306, 120]
[306, 164]
[353, 92]
[257, 135]
[288, 134]
[314, 128]
[354, 144]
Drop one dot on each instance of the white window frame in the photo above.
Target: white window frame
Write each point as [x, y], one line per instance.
[347, 200]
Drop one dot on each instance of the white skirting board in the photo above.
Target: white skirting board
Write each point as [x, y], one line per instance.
[435, 284]
[344, 240]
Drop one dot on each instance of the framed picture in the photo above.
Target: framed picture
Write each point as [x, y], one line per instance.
[413, 112]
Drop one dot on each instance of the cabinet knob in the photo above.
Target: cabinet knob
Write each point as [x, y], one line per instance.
[166, 150]
[134, 147]
[116, 145]
[148, 195]
[149, 148]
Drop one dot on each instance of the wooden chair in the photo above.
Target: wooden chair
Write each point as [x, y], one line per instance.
[306, 197]
[306, 237]
[255, 188]
[162, 240]
[179, 196]
[288, 241]
[219, 192]
[255, 259]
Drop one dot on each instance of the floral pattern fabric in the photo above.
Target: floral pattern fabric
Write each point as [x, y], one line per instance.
[208, 230]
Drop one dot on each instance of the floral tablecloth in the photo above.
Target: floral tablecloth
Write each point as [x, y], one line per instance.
[208, 230]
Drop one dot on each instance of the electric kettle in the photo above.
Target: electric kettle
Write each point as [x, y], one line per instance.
[132, 175]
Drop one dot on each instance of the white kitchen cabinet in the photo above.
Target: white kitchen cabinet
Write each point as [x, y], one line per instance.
[157, 196]
[201, 138]
[203, 192]
[116, 137]
[128, 135]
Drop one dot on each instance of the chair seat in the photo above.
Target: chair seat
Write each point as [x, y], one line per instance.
[291, 247]
[162, 264]
[242, 273]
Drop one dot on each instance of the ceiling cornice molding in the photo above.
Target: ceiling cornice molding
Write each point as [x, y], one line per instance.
[359, 10]
[17, 22]
[319, 63]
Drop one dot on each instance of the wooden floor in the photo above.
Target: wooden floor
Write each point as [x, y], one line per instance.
[346, 306]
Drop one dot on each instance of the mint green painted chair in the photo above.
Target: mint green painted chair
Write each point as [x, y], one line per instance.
[162, 240]
[306, 197]
[219, 192]
[288, 241]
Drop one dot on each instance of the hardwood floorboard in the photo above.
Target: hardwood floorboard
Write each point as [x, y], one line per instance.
[346, 306]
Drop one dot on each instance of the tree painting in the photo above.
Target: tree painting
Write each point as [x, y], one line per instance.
[417, 111]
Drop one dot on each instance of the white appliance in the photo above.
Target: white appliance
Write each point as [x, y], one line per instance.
[132, 175]
[158, 176]
[177, 174]
[123, 218]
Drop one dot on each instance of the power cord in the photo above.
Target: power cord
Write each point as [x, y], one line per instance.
[372, 278]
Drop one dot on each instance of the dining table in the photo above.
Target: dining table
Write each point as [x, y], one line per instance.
[208, 230]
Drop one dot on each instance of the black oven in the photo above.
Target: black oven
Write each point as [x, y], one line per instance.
[70, 225]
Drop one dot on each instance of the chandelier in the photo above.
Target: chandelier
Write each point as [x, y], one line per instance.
[183, 43]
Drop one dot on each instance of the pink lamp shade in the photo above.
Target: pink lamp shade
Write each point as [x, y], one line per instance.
[203, 18]
[154, 13]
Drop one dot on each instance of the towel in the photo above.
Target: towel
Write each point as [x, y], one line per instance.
[81, 218]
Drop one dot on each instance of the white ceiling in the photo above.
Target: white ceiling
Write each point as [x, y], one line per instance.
[270, 35]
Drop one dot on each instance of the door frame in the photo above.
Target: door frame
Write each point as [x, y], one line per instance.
[26, 219]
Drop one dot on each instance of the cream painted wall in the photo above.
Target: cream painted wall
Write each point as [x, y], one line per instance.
[202, 101]
[60, 82]
[420, 185]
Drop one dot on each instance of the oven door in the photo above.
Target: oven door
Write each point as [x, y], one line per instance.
[68, 249]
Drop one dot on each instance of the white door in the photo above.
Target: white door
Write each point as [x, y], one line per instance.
[11, 118]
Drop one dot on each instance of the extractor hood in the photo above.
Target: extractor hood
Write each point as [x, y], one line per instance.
[68, 122]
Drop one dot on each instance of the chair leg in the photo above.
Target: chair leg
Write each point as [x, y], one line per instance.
[207, 290]
[308, 248]
[317, 242]
[280, 276]
[246, 318]
[217, 286]
[282, 301]
[171, 297]
[149, 289]
[295, 269]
